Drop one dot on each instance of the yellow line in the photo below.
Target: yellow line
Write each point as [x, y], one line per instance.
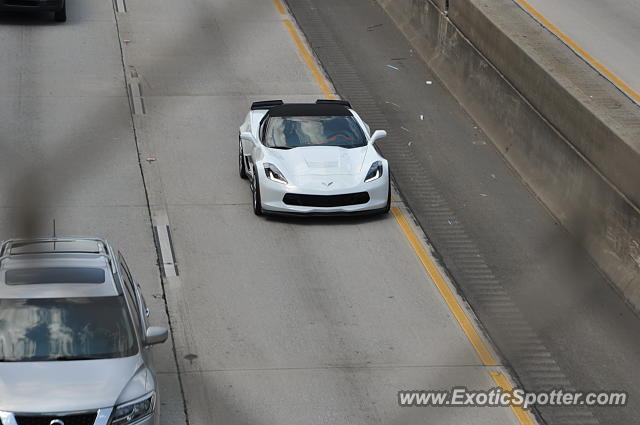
[470, 331]
[280, 7]
[523, 417]
[458, 312]
[593, 61]
[308, 59]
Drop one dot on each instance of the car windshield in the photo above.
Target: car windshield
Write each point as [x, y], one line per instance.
[65, 329]
[293, 132]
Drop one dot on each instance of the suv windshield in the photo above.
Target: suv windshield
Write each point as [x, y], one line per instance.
[65, 329]
[293, 132]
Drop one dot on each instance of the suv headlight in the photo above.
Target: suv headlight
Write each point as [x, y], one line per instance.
[274, 174]
[132, 411]
[375, 172]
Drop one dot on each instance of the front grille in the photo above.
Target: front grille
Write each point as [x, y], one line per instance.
[326, 200]
[76, 419]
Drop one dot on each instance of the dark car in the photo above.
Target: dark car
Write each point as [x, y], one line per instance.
[58, 7]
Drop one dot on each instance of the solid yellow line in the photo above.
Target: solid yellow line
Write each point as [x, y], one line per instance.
[308, 59]
[593, 61]
[523, 417]
[280, 7]
[458, 312]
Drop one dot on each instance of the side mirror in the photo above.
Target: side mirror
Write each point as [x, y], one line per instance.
[156, 335]
[248, 136]
[377, 135]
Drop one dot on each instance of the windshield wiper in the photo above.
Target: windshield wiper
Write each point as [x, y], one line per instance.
[71, 358]
[281, 147]
[48, 359]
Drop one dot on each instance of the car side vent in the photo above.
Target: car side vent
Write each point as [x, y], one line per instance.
[334, 102]
[266, 104]
[74, 419]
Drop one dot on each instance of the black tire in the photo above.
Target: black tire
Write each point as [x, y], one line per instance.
[61, 15]
[387, 208]
[256, 201]
[241, 161]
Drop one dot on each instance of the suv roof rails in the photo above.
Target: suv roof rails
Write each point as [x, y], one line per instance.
[334, 102]
[104, 249]
[266, 104]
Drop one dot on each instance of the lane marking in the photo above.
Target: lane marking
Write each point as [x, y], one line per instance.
[121, 6]
[308, 59]
[280, 7]
[456, 309]
[165, 246]
[483, 352]
[135, 93]
[580, 51]
[523, 416]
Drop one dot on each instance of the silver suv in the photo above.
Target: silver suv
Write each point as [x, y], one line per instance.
[74, 336]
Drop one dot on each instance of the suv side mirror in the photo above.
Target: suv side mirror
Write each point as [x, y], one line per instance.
[156, 335]
[377, 135]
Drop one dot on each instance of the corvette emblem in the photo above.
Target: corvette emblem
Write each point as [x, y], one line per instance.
[327, 184]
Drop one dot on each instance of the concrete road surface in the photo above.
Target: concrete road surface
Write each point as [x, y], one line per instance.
[608, 30]
[274, 321]
[555, 318]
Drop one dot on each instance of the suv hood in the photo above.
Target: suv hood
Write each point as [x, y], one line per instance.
[320, 160]
[64, 386]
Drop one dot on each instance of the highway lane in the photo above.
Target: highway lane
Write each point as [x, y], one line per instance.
[608, 30]
[274, 321]
[68, 148]
[556, 319]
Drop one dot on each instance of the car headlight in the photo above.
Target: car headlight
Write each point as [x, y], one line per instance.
[274, 174]
[133, 410]
[375, 172]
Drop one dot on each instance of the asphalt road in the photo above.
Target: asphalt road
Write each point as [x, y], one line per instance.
[555, 318]
[608, 30]
[274, 322]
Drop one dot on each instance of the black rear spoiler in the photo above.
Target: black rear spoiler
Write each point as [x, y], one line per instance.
[266, 104]
[334, 102]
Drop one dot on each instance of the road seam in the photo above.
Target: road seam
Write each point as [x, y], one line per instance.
[164, 280]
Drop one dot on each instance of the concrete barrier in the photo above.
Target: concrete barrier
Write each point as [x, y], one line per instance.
[572, 136]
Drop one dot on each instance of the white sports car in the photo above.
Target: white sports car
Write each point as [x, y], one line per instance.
[312, 159]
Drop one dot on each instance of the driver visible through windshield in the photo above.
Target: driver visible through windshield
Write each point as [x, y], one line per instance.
[294, 132]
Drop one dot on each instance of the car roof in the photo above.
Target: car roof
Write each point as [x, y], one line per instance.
[57, 268]
[310, 110]
[321, 108]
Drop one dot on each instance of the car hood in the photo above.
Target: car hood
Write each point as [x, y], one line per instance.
[63, 386]
[320, 160]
